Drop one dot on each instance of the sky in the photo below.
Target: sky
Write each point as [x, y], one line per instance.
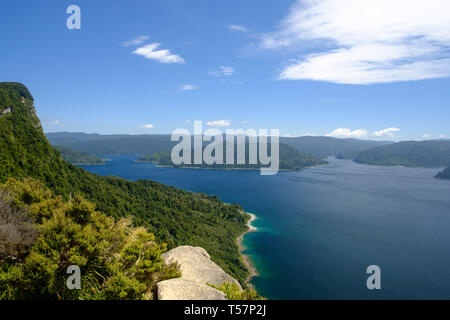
[345, 68]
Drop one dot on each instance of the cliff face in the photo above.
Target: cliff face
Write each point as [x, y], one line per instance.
[197, 272]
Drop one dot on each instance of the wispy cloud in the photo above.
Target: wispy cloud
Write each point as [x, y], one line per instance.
[54, 122]
[237, 27]
[389, 132]
[163, 56]
[347, 133]
[222, 71]
[147, 126]
[58, 123]
[363, 133]
[136, 41]
[289, 135]
[188, 87]
[219, 123]
[365, 41]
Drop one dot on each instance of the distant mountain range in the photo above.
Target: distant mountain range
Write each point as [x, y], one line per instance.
[112, 144]
[320, 147]
[330, 147]
[430, 153]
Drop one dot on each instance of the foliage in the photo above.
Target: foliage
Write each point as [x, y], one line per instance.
[77, 157]
[432, 153]
[233, 292]
[117, 261]
[174, 216]
[17, 231]
[445, 175]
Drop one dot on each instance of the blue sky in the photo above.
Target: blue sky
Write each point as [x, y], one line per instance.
[371, 71]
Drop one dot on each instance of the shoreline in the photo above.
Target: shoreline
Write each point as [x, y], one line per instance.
[241, 247]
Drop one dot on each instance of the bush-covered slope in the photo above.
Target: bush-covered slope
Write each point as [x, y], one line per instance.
[41, 236]
[174, 216]
[433, 153]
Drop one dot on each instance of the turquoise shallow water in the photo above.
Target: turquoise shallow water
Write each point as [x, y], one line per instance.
[318, 230]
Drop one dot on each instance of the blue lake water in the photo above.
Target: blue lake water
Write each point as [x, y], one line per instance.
[319, 230]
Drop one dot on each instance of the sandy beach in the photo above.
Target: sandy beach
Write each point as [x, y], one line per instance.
[246, 258]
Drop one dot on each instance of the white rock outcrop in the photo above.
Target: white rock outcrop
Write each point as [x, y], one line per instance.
[183, 289]
[197, 271]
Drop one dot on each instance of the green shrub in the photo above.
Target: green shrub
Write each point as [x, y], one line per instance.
[233, 292]
[117, 260]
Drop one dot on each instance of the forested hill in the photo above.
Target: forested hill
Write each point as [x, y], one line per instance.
[77, 157]
[432, 153]
[445, 175]
[175, 216]
[290, 159]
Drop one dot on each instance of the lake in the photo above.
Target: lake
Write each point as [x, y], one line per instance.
[319, 229]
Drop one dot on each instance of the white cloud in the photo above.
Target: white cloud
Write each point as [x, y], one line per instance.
[188, 87]
[187, 121]
[227, 71]
[223, 71]
[147, 126]
[219, 123]
[363, 133]
[164, 56]
[136, 41]
[58, 123]
[426, 136]
[237, 27]
[389, 132]
[347, 133]
[365, 41]
[55, 122]
[244, 122]
[442, 136]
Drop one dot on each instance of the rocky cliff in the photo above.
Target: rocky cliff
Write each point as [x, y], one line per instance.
[197, 273]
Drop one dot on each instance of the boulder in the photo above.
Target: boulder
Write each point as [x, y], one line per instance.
[196, 265]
